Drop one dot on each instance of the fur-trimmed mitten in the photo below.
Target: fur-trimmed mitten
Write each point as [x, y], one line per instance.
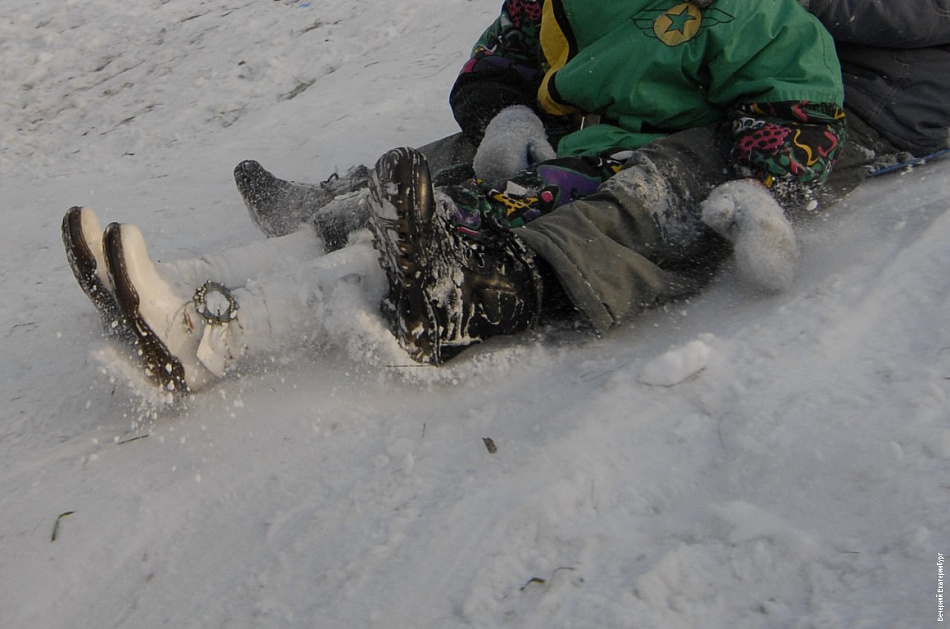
[746, 214]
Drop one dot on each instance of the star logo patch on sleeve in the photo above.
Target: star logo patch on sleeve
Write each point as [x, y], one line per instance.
[680, 23]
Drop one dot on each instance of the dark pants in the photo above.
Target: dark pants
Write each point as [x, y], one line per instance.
[638, 241]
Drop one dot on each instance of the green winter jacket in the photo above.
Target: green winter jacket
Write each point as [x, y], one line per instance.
[646, 67]
[614, 59]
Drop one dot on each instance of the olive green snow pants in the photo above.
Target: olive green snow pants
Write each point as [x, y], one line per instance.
[639, 241]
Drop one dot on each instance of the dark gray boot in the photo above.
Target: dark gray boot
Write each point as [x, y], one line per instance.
[446, 290]
[279, 207]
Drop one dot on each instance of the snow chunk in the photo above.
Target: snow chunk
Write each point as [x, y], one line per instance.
[677, 365]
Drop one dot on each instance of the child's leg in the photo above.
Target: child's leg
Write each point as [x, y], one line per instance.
[639, 240]
[234, 267]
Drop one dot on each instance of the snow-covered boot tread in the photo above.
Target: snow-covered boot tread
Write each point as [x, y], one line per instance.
[402, 204]
[446, 291]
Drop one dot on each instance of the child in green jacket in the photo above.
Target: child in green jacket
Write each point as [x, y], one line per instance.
[624, 149]
[613, 155]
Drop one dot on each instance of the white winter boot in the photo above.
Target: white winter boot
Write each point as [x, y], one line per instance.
[746, 214]
[183, 338]
[188, 335]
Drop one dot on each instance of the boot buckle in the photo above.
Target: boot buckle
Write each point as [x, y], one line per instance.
[215, 303]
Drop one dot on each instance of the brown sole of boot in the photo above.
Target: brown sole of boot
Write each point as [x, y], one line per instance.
[85, 268]
[158, 363]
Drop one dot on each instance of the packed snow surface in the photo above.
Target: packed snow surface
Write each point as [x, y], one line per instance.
[737, 460]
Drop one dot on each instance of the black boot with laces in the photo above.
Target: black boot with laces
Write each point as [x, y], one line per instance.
[446, 290]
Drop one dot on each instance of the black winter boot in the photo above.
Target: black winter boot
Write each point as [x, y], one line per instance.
[278, 206]
[446, 290]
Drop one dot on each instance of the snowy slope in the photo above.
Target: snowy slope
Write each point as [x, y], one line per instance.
[794, 471]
